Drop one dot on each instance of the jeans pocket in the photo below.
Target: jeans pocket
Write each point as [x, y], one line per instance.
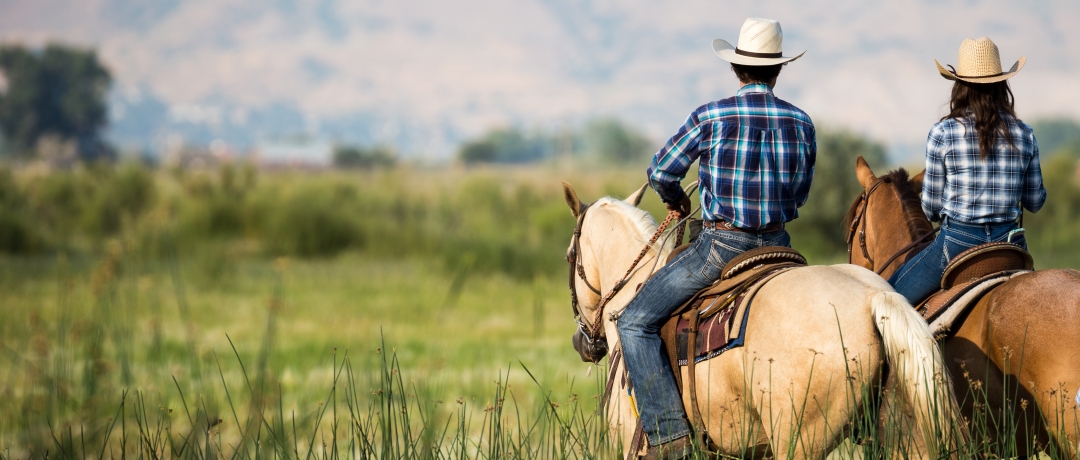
[784, 239]
[719, 255]
[953, 247]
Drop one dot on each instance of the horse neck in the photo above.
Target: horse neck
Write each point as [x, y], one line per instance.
[614, 241]
[890, 231]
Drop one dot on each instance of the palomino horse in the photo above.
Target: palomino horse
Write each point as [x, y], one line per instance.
[1020, 342]
[816, 340]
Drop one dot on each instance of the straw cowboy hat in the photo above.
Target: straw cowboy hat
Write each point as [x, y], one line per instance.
[760, 43]
[979, 62]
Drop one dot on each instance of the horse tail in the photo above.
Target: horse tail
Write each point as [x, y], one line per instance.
[922, 379]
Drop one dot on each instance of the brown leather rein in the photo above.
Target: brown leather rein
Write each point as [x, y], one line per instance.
[864, 200]
[592, 332]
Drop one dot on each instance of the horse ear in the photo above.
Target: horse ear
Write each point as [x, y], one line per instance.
[571, 199]
[635, 197]
[863, 172]
[916, 182]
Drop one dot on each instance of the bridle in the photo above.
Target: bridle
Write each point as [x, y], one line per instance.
[591, 332]
[859, 219]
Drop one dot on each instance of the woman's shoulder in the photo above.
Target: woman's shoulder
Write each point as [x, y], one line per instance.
[1023, 127]
[946, 127]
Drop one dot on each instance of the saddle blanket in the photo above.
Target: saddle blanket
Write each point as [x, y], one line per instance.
[721, 332]
[945, 308]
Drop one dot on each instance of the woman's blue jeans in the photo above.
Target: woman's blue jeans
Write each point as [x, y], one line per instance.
[657, 396]
[920, 276]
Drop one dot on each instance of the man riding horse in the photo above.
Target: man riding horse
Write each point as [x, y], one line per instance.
[757, 157]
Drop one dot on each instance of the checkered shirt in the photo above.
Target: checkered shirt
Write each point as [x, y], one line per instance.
[969, 190]
[757, 158]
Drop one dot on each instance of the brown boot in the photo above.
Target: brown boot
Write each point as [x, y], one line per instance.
[671, 450]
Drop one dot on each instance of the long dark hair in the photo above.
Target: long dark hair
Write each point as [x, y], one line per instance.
[986, 101]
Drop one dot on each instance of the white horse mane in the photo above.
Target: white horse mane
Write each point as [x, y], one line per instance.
[643, 222]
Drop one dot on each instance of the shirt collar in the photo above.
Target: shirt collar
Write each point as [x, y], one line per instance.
[755, 88]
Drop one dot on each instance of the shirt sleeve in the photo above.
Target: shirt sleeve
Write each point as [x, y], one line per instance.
[933, 192]
[1034, 194]
[671, 163]
[805, 175]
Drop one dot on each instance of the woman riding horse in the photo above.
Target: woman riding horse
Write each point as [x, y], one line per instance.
[982, 164]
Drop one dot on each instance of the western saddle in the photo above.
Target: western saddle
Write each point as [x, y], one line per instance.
[731, 295]
[971, 274]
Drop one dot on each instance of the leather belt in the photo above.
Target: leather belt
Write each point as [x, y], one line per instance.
[726, 226]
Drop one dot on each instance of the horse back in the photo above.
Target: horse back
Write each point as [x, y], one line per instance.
[1027, 332]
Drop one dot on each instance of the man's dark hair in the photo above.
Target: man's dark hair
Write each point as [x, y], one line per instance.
[756, 73]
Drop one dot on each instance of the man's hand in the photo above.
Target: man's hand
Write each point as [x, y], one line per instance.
[682, 206]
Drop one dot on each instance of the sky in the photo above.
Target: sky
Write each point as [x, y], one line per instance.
[423, 74]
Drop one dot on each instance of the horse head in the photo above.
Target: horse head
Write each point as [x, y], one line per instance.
[884, 219]
[604, 230]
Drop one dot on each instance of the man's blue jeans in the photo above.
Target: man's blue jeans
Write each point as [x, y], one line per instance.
[920, 276]
[656, 393]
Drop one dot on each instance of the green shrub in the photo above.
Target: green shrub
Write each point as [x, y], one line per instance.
[218, 208]
[311, 220]
[116, 195]
[819, 230]
[349, 156]
[17, 235]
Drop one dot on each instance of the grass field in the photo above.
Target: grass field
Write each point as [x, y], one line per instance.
[397, 314]
[73, 342]
[222, 324]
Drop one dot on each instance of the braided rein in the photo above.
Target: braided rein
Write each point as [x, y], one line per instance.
[592, 332]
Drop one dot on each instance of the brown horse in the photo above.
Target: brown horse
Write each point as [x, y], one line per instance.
[1019, 345]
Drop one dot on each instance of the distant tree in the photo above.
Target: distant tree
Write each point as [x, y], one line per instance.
[613, 141]
[58, 91]
[607, 139]
[819, 228]
[351, 156]
[506, 145]
[477, 151]
[1056, 135]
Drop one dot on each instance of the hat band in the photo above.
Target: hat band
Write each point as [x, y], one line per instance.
[757, 55]
[953, 69]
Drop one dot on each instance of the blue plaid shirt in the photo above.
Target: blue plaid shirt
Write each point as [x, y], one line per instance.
[959, 185]
[757, 158]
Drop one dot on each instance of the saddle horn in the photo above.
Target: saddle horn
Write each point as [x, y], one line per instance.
[690, 189]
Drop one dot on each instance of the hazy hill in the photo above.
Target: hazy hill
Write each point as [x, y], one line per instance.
[424, 74]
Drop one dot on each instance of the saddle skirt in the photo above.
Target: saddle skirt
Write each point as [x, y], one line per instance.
[969, 276]
[716, 315]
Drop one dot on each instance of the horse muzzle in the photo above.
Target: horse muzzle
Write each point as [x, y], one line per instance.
[591, 352]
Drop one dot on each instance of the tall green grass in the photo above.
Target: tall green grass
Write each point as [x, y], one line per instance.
[67, 393]
[101, 375]
[233, 313]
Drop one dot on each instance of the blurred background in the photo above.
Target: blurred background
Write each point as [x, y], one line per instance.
[190, 186]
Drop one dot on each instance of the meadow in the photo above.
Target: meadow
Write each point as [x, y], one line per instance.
[402, 313]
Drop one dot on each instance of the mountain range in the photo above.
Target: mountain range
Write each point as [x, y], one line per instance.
[422, 75]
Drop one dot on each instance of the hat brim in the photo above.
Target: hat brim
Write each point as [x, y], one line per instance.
[950, 75]
[727, 52]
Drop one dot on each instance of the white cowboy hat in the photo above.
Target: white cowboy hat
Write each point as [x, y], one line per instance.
[979, 62]
[760, 43]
